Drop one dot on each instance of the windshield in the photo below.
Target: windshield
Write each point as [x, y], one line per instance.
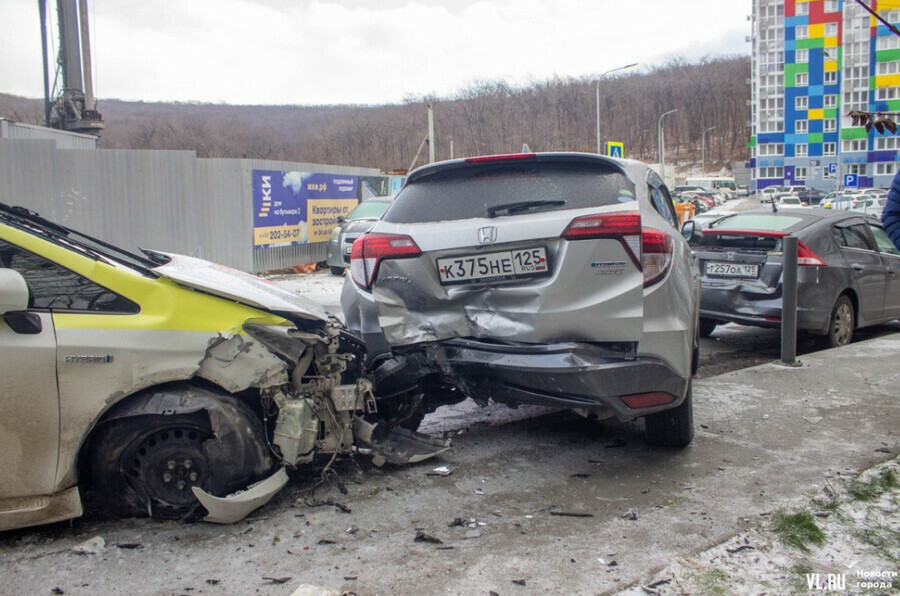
[369, 210]
[87, 245]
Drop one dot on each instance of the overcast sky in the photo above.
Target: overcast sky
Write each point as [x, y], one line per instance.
[363, 51]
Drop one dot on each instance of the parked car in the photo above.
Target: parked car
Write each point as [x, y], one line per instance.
[848, 274]
[357, 223]
[843, 202]
[162, 384]
[767, 194]
[810, 196]
[547, 278]
[789, 201]
[870, 205]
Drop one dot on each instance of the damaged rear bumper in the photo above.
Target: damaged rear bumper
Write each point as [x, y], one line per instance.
[568, 375]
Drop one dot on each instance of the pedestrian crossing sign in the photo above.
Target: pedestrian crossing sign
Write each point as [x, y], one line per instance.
[615, 149]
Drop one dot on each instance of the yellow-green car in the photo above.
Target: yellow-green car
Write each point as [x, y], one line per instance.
[161, 384]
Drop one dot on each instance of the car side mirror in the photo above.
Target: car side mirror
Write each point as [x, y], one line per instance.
[13, 291]
[340, 219]
[14, 302]
[689, 230]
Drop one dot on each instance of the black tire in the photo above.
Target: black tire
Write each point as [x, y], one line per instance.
[674, 427]
[145, 465]
[336, 270]
[707, 326]
[842, 323]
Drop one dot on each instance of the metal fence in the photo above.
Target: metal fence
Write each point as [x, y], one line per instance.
[167, 200]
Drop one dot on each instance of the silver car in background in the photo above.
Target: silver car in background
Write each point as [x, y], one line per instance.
[558, 279]
[357, 223]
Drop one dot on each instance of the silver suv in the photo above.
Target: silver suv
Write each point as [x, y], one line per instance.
[547, 278]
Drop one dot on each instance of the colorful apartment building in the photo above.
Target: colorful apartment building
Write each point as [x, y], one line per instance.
[813, 62]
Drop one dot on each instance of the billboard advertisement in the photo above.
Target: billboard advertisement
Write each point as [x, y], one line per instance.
[299, 207]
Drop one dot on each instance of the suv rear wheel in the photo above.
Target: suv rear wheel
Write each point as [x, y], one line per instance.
[674, 427]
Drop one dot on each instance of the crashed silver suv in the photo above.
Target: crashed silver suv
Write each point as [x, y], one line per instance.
[558, 279]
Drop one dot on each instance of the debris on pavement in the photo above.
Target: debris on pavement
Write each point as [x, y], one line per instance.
[94, 546]
[440, 471]
[423, 537]
[129, 545]
[310, 590]
[277, 580]
[630, 515]
[570, 514]
[519, 582]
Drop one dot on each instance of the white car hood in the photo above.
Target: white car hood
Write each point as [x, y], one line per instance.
[236, 285]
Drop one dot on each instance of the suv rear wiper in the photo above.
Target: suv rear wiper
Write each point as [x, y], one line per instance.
[521, 207]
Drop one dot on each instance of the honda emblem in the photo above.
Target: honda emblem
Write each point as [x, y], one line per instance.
[487, 235]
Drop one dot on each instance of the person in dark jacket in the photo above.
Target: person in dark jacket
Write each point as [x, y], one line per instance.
[890, 216]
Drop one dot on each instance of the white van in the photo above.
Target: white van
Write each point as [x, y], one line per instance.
[719, 183]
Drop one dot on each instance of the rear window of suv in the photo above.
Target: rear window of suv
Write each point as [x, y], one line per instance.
[496, 190]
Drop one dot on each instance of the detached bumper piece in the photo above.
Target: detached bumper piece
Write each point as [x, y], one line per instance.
[397, 446]
[237, 506]
[568, 375]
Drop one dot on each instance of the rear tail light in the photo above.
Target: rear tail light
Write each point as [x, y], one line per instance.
[624, 227]
[649, 248]
[656, 255]
[369, 250]
[807, 258]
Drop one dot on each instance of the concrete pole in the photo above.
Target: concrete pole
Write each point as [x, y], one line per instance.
[89, 100]
[662, 145]
[430, 132]
[703, 149]
[789, 300]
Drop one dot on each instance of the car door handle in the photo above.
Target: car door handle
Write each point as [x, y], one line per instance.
[857, 267]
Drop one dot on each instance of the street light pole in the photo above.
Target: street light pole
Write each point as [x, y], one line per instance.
[703, 149]
[662, 145]
[600, 78]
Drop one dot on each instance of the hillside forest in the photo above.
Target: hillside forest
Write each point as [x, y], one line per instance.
[485, 117]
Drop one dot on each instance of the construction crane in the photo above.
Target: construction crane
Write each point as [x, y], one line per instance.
[69, 102]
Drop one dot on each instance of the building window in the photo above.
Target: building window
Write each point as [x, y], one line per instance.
[802, 32]
[801, 126]
[770, 149]
[772, 172]
[801, 150]
[830, 125]
[831, 29]
[801, 56]
[860, 169]
[887, 42]
[801, 79]
[830, 101]
[885, 68]
[831, 77]
[886, 93]
[887, 168]
[886, 143]
[801, 102]
[829, 148]
[831, 5]
[801, 9]
[855, 145]
[800, 174]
